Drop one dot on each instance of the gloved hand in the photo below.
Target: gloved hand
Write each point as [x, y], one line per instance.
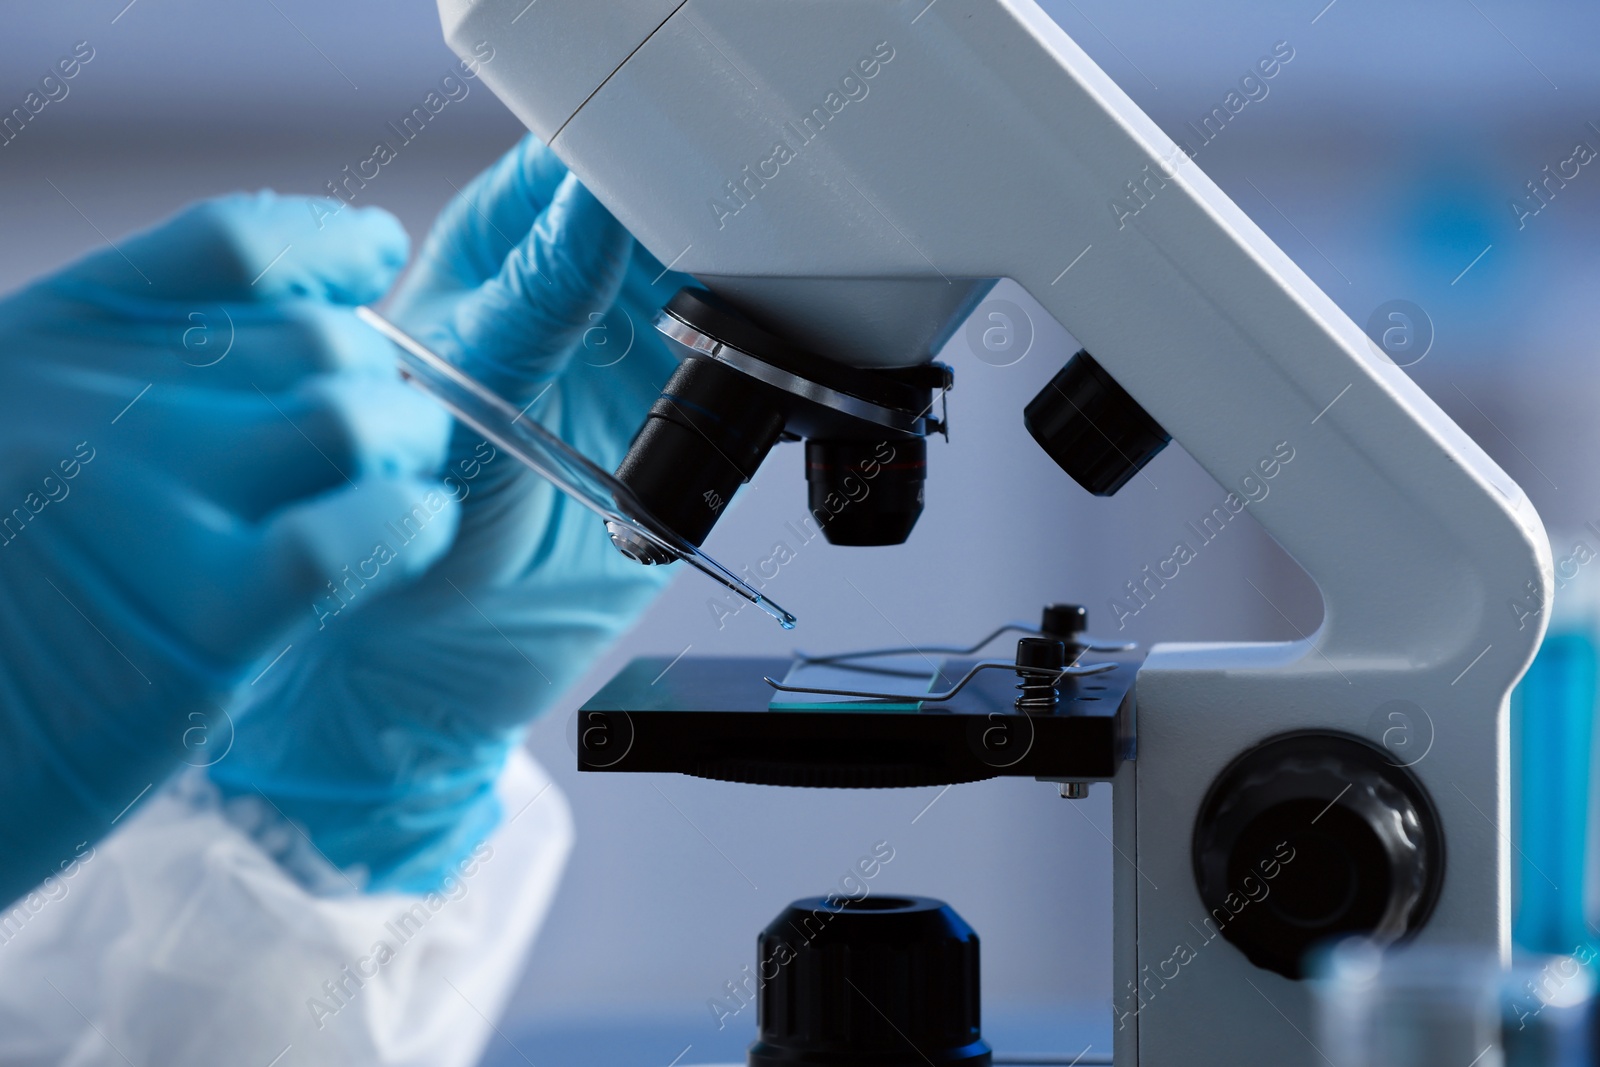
[382, 733]
[197, 433]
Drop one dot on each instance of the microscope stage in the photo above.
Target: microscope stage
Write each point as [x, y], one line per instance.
[713, 717]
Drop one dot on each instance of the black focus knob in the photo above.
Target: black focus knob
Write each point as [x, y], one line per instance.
[1092, 428]
[877, 982]
[1311, 837]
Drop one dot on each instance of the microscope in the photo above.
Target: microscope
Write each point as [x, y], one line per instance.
[846, 179]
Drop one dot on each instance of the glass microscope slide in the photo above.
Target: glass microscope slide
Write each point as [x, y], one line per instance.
[552, 458]
[894, 674]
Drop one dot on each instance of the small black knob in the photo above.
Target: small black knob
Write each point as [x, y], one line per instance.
[1037, 692]
[1092, 428]
[1044, 652]
[1311, 837]
[1064, 621]
[876, 982]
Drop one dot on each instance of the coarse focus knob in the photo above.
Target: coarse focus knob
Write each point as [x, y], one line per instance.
[876, 982]
[1311, 837]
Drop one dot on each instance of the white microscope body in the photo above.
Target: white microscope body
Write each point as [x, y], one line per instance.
[856, 173]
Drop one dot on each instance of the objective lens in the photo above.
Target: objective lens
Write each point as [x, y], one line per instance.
[705, 436]
[866, 492]
[738, 390]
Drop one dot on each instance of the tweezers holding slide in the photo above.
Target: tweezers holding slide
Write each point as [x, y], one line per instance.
[569, 470]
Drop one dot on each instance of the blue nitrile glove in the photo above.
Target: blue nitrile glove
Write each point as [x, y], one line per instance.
[196, 432]
[383, 734]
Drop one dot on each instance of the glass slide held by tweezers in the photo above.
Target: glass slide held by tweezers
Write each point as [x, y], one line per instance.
[569, 470]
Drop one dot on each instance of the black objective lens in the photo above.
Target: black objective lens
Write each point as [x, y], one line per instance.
[737, 391]
[705, 436]
[866, 492]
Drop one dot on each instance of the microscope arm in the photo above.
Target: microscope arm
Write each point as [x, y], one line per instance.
[986, 144]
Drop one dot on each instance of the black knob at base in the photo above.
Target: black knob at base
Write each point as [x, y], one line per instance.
[878, 982]
[1311, 837]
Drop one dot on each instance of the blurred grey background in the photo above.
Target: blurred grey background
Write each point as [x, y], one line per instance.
[1385, 158]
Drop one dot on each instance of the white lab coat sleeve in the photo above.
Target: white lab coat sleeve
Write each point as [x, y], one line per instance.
[179, 940]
